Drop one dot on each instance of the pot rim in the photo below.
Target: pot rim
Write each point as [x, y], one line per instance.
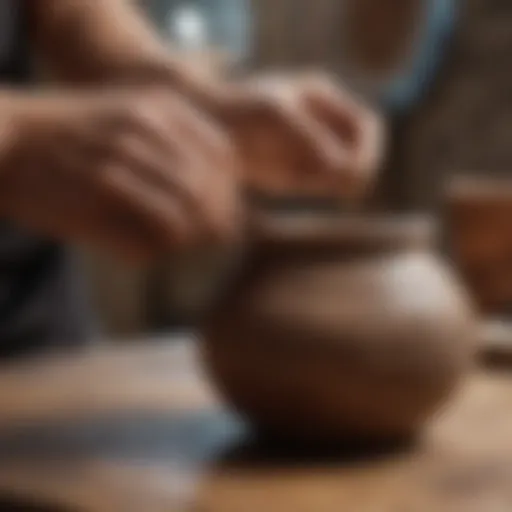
[335, 230]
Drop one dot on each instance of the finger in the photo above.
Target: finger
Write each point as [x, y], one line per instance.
[338, 116]
[214, 205]
[371, 150]
[155, 165]
[358, 128]
[165, 217]
[143, 119]
[164, 169]
[113, 226]
[325, 151]
[225, 207]
[163, 119]
[204, 155]
[209, 164]
[154, 171]
[84, 218]
[365, 145]
[350, 119]
[196, 147]
[117, 228]
[322, 86]
[215, 143]
[189, 181]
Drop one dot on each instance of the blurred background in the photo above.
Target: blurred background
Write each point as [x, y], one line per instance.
[133, 428]
[438, 69]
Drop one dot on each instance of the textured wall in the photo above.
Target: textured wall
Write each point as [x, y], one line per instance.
[296, 32]
[466, 123]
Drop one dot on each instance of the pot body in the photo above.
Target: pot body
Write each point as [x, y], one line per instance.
[326, 341]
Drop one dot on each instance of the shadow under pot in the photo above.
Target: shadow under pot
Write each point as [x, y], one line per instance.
[340, 328]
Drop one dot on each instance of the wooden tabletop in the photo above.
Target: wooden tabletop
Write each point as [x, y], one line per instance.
[139, 429]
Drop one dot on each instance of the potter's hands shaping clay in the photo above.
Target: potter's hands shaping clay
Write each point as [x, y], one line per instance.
[304, 134]
[137, 173]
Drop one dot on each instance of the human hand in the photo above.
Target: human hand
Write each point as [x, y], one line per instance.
[303, 135]
[138, 173]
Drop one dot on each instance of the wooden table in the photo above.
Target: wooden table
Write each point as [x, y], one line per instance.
[139, 429]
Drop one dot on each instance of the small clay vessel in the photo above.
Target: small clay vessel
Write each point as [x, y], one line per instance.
[335, 328]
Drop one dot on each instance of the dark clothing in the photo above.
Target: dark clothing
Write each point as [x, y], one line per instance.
[42, 303]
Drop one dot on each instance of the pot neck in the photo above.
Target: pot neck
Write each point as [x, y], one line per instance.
[361, 233]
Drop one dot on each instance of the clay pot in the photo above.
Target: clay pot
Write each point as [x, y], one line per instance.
[340, 327]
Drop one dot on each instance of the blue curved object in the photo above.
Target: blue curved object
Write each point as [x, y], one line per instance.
[233, 25]
[229, 21]
[407, 88]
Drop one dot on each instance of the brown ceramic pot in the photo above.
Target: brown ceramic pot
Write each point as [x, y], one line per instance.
[335, 328]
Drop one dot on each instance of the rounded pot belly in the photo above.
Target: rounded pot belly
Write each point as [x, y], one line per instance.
[327, 347]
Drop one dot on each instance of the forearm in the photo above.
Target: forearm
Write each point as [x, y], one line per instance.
[94, 40]
[107, 41]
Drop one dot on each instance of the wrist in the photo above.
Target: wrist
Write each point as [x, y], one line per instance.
[206, 89]
[199, 81]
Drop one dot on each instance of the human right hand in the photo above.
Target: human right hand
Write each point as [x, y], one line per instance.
[137, 173]
[302, 135]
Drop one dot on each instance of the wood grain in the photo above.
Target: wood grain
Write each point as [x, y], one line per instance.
[106, 380]
[141, 445]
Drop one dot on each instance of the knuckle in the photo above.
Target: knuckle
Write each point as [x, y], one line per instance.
[218, 141]
[106, 181]
[317, 82]
[120, 144]
[109, 175]
[120, 149]
[265, 106]
[224, 147]
[215, 138]
[137, 112]
[284, 115]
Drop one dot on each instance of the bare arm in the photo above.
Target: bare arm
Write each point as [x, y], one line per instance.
[317, 130]
[107, 41]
